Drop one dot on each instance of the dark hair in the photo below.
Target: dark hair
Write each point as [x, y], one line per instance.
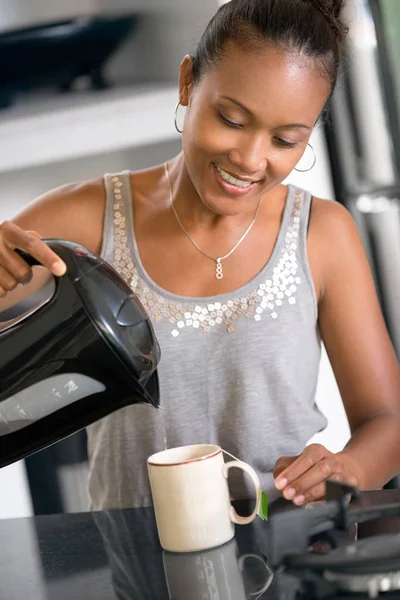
[311, 27]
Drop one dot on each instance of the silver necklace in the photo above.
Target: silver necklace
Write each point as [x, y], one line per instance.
[218, 260]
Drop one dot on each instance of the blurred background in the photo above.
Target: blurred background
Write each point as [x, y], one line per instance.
[90, 86]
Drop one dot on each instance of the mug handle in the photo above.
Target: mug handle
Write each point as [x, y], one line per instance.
[238, 464]
[241, 561]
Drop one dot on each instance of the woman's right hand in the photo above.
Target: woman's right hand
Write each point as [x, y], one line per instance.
[13, 268]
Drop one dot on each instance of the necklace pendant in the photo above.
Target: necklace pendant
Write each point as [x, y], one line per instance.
[218, 269]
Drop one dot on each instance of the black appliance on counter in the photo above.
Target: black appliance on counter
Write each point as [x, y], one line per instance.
[55, 55]
[314, 546]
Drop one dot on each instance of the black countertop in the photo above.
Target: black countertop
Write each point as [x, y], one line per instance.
[115, 555]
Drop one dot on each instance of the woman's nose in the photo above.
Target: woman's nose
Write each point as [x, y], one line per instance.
[250, 155]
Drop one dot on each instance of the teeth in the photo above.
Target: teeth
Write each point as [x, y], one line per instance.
[230, 179]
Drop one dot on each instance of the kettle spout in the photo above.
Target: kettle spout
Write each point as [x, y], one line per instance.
[152, 391]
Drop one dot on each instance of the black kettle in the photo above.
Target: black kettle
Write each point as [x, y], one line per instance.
[73, 349]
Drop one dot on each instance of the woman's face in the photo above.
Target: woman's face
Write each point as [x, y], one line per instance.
[247, 123]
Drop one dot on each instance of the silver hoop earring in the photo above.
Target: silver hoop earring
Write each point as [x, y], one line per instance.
[314, 161]
[176, 118]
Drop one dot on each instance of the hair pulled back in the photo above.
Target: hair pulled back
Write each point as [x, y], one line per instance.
[311, 28]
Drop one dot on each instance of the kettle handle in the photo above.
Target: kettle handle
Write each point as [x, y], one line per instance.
[14, 314]
[32, 262]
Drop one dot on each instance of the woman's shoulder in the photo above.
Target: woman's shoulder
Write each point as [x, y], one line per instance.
[334, 241]
[331, 221]
[74, 211]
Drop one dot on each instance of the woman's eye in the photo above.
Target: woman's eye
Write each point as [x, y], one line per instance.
[286, 144]
[228, 122]
[278, 141]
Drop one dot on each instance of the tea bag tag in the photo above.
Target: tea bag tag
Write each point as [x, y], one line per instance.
[263, 507]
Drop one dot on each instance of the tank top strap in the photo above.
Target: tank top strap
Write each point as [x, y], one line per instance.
[302, 217]
[118, 233]
[305, 209]
[292, 236]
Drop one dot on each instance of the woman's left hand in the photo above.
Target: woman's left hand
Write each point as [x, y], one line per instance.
[302, 478]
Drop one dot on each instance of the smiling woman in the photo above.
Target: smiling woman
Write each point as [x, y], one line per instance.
[255, 132]
[241, 275]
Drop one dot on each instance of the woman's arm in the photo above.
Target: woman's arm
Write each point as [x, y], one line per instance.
[361, 353]
[363, 360]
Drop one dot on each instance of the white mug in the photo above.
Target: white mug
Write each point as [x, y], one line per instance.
[191, 497]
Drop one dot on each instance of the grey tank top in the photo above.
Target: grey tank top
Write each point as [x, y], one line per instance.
[238, 370]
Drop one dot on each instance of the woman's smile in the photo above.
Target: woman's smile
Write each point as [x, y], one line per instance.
[233, 185]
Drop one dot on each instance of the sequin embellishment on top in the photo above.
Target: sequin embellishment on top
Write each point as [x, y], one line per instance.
[267, 300]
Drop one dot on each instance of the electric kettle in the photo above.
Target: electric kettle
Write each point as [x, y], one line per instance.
[73, 349]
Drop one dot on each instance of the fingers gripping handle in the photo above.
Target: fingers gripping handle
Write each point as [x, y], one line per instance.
[50, 254]
[237, 464]
[27, 258]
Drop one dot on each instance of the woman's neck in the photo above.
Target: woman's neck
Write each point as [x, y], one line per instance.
[190, 207]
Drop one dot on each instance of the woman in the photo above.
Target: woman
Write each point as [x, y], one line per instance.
[241, 275]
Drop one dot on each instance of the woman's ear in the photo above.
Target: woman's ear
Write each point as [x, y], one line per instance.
[185, 80]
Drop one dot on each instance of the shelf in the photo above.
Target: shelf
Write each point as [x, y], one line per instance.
[20, 13]
[57, 128]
